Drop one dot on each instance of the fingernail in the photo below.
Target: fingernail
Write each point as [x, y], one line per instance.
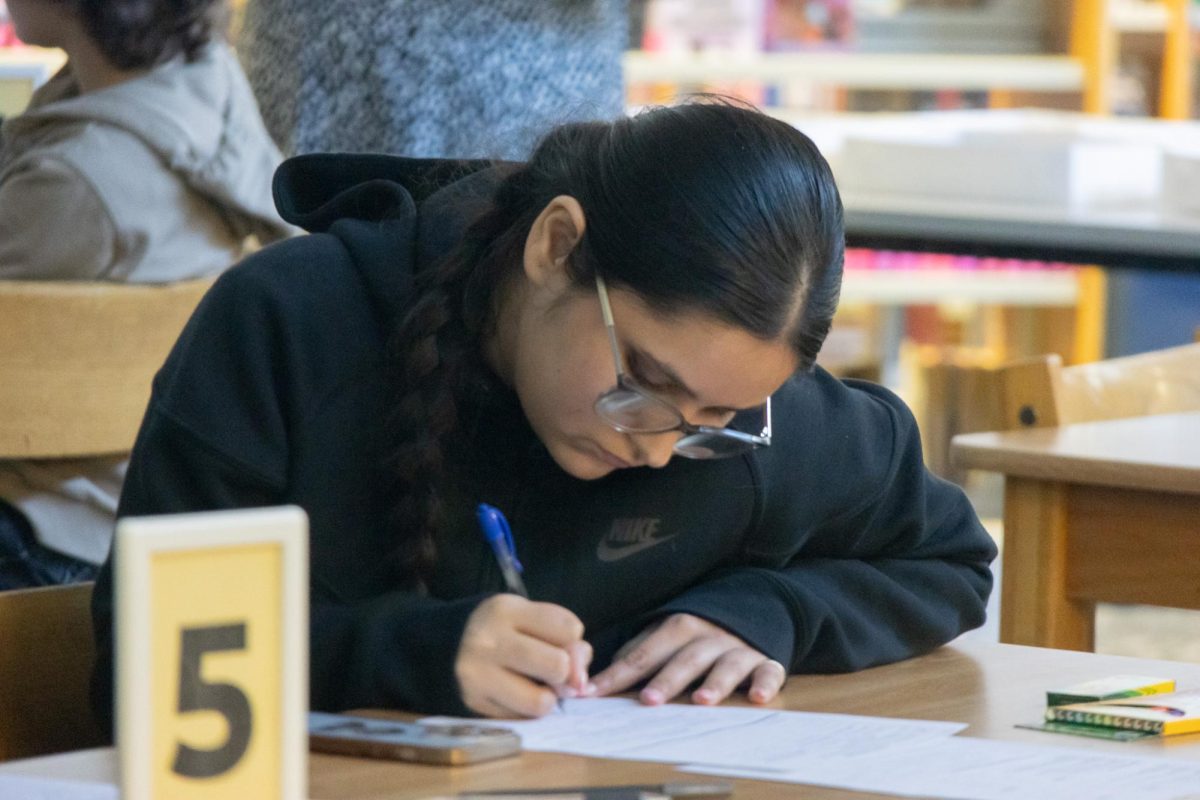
[758, 695]
[703, 696]
[590, 690]
[652, 697]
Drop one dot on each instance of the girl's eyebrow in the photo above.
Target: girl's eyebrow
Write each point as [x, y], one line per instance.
[673, 377]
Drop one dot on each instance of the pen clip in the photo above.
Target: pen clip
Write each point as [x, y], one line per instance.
[499, 534]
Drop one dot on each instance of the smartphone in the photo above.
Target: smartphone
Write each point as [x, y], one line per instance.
[371, 737]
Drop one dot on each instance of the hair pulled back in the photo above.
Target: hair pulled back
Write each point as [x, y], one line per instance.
[705, 207]
[137, 34]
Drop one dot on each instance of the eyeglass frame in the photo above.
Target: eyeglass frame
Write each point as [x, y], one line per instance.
[627, 384]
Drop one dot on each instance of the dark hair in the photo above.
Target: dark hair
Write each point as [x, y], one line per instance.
[136, 34]
[708, 206]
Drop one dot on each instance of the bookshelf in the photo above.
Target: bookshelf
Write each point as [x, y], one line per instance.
[928, 51]
[1013, 53]
[924, 282]
[1032, 73]
[881, 287]
[1097, 30]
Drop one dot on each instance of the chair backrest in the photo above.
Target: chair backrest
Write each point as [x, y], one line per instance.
[1040, 392]
[78, 359]
[46, 655]
[1043, 393]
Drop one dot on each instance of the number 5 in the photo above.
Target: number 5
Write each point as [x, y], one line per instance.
[226, 699]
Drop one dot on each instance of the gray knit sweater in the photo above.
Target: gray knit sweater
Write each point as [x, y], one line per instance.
[424, 78]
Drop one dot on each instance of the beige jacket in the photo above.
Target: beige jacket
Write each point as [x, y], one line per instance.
[156, 179]
[161, 178]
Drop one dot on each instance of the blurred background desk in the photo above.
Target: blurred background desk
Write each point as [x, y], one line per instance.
[1095, 512]
[1116, 197]
[991, 687]
[1018, 184]
[1140, 238]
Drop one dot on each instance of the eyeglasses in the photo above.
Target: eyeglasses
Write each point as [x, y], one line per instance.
[630, 409]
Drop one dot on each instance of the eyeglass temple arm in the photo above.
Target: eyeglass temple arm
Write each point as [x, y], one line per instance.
[606, 310]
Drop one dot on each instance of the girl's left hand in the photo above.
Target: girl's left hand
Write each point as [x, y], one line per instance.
[682, 649]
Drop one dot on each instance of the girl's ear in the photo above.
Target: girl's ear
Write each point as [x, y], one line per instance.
[552, 237]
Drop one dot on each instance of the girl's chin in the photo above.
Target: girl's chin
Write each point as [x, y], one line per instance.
[582, 461]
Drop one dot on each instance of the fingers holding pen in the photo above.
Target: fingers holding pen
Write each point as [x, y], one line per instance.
[580, 654]
[511, 696]
[555, 627]
[547, 621]
[534, 658]
[537, 643]
[514, 652]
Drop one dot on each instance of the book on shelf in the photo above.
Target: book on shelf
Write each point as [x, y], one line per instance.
[808, 25]
[1155, 715]
[746, 26]
[743, 29]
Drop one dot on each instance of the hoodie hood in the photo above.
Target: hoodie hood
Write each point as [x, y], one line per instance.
[317, 190]
[199, 117]
[394, 215]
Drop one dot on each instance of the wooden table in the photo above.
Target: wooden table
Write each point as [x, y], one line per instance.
[990, 686]
[1095, 512]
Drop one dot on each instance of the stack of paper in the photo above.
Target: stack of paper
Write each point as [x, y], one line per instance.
[873, 754]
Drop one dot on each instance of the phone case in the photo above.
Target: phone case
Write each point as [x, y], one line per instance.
[369, 737]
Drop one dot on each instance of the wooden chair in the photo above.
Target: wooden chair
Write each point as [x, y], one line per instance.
[46, 656]
[78, 359]
[1042, 393]
[75, 374]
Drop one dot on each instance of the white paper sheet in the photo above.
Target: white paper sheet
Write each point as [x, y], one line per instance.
[747, 737]
[961, 768]
[22, 787]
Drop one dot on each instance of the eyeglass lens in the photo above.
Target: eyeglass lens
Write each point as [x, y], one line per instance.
[637, 413]
[633, 412]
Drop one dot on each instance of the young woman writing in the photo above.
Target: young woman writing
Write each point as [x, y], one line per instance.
[614, 343]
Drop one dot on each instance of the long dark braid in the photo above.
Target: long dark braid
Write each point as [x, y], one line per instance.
[433, 355]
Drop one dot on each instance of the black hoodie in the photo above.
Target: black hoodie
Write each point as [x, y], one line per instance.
[833, 549]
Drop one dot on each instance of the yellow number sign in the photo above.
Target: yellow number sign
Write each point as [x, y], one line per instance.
[212, 654]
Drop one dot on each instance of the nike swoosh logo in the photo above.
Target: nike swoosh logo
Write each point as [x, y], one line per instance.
[616, 552]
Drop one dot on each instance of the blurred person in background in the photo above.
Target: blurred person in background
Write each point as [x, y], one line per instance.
[143, 160]
[432, 78]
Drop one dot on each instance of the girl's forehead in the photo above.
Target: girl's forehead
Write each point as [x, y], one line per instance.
[723, 365]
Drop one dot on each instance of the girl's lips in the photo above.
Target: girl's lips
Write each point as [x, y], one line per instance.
[611, 460]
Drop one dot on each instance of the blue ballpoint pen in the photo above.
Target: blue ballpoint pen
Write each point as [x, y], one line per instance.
[499, 536]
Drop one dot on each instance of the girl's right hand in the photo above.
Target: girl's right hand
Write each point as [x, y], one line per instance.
[516, 657]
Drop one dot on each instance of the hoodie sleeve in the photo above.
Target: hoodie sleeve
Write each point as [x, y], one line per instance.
[53, 225]
[396, 650]
[883, 561]
[217, 435]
